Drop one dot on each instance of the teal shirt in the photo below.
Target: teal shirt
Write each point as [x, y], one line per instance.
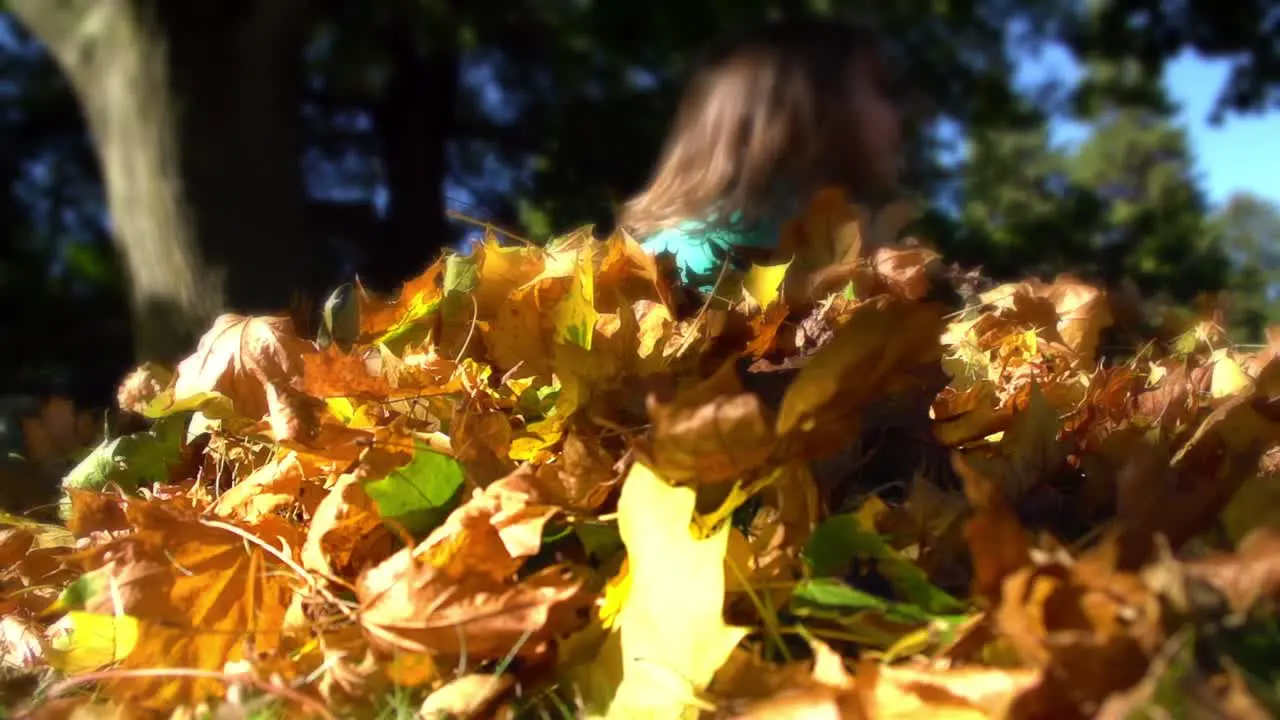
[702, 247]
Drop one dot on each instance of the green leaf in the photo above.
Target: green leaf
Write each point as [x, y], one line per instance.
[600, 540]
[130, 461]
[537, 401]
[460, 273]
[410, 328]
[841, 541]
[78, 594]
[420, 494]
[832, 597]
[867, 618]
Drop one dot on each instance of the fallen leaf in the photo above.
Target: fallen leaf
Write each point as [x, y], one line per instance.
[1088, 623]
[465, 573]
[878, 351]
[671, 629]
[419, 495]
[904, 271]
[471, 614]
[764, 283]
[346, 533]
[711, 433]
[997, 541]
[465, 697]
[22, 643]
[257, 362]
[272, 488]
[82, 642]
[977, 693]
[202, 597]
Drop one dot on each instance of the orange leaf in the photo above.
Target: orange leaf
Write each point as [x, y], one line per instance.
[997, 541]
[203, 595]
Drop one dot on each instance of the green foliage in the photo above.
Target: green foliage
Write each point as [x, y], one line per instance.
[840, 543]
[1249, 227]
[131, 461]
[1153, 228]
[1122, 206]
[420, 495]
[1143, 36]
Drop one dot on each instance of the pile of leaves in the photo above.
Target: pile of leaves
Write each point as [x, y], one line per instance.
[551, 482]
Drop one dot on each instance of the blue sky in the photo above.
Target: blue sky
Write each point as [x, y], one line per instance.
[1243, 153]
[1240, 154]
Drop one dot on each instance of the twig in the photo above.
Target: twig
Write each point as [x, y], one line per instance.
[475, 318]
[489, 226]
[285, 692]
[706, 306]
[306, 576]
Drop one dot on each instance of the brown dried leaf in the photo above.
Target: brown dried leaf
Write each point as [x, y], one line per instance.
[272, 488]
[977, 693]
[1250, 574]
[141, 386]
[1208, 470]
[881, 349]
[346, 533]
[904, 271]
[997, 541]
[377, 316]
[712, 432]
[1086, 624]
[411, 604]
[1083, 313]
[257, 362]
[333, 373]
[22, 643]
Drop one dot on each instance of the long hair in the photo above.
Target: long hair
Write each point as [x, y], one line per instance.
[765, 113]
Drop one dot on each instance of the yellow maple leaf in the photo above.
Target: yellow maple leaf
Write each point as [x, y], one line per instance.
[764, 283]
[671, 630]
[575, 316]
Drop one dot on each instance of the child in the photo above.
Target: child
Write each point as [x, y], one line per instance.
[765, 122]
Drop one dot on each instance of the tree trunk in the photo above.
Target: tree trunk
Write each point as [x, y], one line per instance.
[414, 121]
[194, 110]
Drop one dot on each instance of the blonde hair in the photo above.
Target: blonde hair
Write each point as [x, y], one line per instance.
[767, 114]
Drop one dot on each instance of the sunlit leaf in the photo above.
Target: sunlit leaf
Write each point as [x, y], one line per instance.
[83, 641]
[419, 495]
[671, 631]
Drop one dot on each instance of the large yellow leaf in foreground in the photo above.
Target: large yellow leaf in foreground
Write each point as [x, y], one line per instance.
[673, 634]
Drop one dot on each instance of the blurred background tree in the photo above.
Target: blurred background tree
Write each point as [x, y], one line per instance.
[165, 161]
[1249, 227]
